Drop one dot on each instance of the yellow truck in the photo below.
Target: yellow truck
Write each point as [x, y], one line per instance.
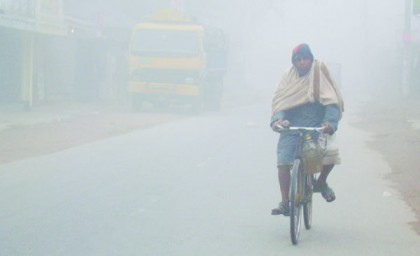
[176, 60]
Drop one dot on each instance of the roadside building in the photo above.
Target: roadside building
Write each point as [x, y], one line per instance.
[47, 54]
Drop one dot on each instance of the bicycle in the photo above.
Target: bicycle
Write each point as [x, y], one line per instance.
[301, 185]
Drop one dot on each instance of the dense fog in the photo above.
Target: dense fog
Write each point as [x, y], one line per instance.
[360, 40]
[89, 167]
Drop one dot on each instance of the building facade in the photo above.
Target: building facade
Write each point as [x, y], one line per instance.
[47, 54]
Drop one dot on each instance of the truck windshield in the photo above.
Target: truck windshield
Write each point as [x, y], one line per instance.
[160, 42]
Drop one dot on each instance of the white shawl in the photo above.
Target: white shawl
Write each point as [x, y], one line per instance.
[294, 90]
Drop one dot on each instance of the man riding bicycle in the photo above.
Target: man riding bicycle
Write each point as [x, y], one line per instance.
[306, 96]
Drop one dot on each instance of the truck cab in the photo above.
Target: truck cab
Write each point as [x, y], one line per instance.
[168, 62]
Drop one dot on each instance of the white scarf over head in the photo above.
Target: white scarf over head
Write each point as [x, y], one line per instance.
[294, 91]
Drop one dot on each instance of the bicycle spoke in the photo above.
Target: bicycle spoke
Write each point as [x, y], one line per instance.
[307, 207]
[296, 201]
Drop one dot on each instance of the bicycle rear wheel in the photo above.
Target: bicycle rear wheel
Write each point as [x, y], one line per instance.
[296, 196]
[307, 206]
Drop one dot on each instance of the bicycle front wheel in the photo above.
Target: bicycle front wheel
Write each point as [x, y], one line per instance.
[296, 199]
[307, 205]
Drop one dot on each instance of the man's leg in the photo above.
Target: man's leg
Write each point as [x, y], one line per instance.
[322, 186]
[322, 179]
[284, 182]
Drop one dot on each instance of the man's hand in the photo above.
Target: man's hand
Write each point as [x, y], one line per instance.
[327, 128]
[279, 123]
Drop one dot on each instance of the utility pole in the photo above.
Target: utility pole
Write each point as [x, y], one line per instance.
[407, 50]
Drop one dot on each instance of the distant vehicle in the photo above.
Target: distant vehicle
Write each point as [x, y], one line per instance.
[175, 59]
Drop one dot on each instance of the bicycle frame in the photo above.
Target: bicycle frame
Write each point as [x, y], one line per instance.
[301, 183]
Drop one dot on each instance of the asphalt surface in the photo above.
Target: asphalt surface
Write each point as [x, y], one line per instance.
[203, 185]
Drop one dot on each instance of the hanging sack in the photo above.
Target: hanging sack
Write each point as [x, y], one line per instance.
[327, 142]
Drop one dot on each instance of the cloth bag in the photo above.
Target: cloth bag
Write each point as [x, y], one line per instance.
[330, 151]
[328, 143]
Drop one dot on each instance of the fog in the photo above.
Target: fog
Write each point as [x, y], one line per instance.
[169, 185]
[363, 37]
[361, 40]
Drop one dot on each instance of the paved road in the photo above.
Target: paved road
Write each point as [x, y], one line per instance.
[200, 186]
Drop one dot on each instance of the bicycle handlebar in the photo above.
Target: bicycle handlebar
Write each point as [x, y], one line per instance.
[300, 128]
